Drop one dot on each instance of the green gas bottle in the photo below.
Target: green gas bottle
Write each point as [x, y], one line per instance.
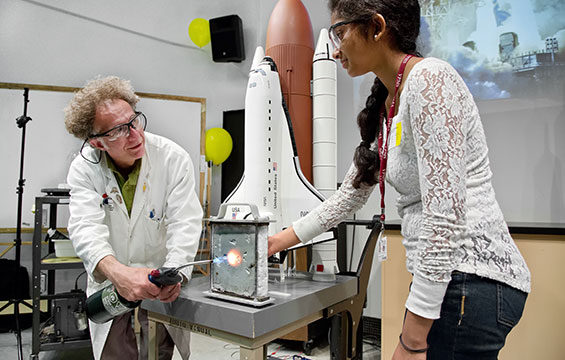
[106, 304]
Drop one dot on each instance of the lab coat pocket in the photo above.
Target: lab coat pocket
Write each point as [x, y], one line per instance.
[154, 227]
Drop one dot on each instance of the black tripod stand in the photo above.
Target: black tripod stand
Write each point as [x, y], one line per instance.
[17, 300]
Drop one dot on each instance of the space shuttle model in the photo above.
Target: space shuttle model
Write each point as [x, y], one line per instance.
[272, 178]
[290, 126]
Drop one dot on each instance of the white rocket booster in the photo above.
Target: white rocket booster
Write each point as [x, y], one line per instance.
[324, 140]
[324, 110]
[272, 179]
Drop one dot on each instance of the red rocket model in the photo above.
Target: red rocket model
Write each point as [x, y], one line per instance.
[290, 43]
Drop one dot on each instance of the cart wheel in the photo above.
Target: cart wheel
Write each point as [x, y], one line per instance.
[33, 357]
[308, 346]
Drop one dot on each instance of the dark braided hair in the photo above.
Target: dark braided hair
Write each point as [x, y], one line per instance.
[403, 22]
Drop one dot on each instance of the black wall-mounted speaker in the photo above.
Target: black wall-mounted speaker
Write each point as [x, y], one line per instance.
[226, 36]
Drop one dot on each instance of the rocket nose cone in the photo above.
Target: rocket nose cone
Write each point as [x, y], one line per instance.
[289, 24]
[324, 47]
[258, 57]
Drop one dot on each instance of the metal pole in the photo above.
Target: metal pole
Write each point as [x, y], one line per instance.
[21, 121]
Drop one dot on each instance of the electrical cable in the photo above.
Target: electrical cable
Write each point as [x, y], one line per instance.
[352, 246]
[276, 350]
[76, 280]
[372, 340]
[229, 346]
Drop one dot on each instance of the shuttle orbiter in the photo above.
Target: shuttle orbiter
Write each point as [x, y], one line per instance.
[272, 178]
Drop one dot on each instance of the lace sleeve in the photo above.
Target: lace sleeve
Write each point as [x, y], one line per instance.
[346, 200]
[337, 207]
[436, 117]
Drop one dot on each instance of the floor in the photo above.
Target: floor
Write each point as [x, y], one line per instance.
[202, 347]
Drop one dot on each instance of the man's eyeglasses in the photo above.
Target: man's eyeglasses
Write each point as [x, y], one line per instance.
[336, 34]
[138, 121]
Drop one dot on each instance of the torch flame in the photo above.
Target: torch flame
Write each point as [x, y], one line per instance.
[234, 257]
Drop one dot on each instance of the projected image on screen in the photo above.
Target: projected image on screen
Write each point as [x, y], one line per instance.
[501, 48]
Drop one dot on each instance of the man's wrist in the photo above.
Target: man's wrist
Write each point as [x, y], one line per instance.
[108, 266]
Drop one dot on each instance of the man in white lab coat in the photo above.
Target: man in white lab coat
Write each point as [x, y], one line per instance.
[133, 208]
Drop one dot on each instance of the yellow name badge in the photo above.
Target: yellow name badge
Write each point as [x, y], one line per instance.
[398, 133]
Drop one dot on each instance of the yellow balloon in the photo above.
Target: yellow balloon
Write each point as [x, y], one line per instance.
[199, 32]
[218, 145]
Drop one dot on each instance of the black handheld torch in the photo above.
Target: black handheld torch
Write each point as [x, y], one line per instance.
[164, 276]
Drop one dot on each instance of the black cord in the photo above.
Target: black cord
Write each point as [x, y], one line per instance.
[372, 340]
[352, 246]
[372, 343]
[76, 280]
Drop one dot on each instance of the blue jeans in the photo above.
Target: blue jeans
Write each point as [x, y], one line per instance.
[476, 316]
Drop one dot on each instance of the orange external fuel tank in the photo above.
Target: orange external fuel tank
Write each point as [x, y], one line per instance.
[290, 43]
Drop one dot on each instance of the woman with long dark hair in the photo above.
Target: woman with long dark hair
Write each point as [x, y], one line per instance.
[421, 131]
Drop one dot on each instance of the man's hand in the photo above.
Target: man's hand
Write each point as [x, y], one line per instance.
[169, 293]
[132, 283]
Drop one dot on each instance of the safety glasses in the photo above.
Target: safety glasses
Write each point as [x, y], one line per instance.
[137, 121]
[337, 32]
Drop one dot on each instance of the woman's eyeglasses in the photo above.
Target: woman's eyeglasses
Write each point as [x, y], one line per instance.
[337, 32]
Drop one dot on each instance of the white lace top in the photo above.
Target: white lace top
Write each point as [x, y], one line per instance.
[438, 164]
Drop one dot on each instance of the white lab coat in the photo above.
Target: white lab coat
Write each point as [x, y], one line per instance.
[164, 227]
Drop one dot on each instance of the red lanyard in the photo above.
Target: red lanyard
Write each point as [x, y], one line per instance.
[383, 150]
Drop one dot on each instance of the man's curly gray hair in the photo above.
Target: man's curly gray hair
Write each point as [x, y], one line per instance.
[79, 114]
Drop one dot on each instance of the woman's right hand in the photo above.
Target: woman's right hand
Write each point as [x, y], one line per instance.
[282, 240]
